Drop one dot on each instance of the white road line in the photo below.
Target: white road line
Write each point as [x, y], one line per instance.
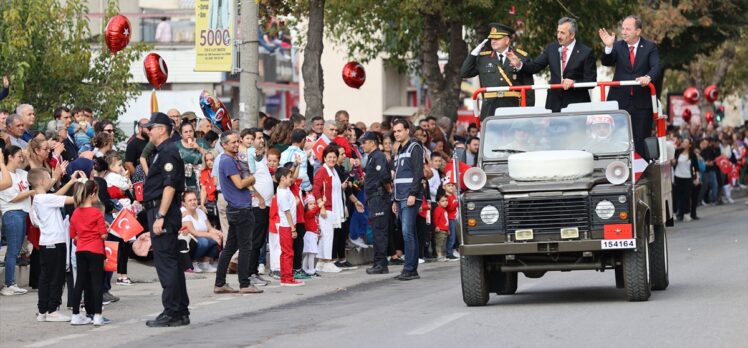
[439, 322]
[225, 298]
[206, 303]
[52, 341]
[107, 328]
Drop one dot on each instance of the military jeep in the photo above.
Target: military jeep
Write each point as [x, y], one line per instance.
[555, 192]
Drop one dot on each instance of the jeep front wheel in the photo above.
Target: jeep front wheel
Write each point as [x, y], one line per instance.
[636, 269]
[658, 271]
[474, 285]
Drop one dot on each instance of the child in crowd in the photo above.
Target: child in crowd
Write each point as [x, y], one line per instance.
[81, 132]
[117, 178]
[88, 232]
[450, 191]
[208, 191]
[274, 248]
[287, 228]
[273, 158]
[46, 214]
[311, 237]
[441, 226]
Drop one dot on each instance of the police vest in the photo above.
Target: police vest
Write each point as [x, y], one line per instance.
[404, 172]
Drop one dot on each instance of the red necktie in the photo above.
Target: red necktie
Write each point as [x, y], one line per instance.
[631, 59]
[563, 59]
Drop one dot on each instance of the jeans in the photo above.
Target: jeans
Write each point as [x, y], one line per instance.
[240, 225]
[710, 181]
[452, 237]
[408, 222]
[14, 230]
[206, 247]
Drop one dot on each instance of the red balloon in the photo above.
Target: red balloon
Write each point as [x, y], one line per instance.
[711, 93]
[117, 34]
[687, 115]
[354, 74]
[155, 70]
[691, 95]
[709, 117]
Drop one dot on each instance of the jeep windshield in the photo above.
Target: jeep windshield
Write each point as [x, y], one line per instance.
[598, 134]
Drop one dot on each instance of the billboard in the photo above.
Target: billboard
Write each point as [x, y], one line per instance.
[214, 34]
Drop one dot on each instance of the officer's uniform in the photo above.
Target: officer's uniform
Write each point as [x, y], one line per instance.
[377, 174]
[167, 169]
[408, 174]
[493, 73]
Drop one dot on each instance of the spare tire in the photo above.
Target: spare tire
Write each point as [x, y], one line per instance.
[550, 165]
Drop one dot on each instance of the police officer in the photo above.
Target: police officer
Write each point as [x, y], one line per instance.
[493, 68]
[377, 175]
[161, 195]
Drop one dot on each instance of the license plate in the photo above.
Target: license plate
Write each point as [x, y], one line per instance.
[618, 244]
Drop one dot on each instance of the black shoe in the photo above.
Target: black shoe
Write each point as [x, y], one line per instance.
[695, 217]
[168, 321]
[377, 269]
[185, 320]
[452, 257]
[408, 276]
[22, 262]
[397, 262]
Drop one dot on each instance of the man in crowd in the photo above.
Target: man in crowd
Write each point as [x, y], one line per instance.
[318, 125]
[176, 118]
[493, 68]
[162, 191]
[298, 120]
[408, 194]
[343, 117]
[58, 114]
[262, 195]
[16, 127]
[28, 115]
[377, 176]
[569, 60]
[634, 58]
[473, 130]
[135, 147]
[470, 155]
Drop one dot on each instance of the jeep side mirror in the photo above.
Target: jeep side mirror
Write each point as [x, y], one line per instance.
[651, 149]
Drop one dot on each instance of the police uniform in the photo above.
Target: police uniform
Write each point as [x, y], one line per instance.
[167, 169]
[408, 174]
[377, 175]
[492, 72]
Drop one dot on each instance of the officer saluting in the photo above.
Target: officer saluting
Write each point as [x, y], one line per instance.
[493, 68]
[377, 175]
[161, 195]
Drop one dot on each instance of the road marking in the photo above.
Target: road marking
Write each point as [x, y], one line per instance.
[107, 328]
[439, 322]
[206, 303]
[225, 298]
[52, 341]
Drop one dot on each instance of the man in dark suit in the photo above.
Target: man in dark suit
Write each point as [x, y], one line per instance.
[570, 61]
[635, 59]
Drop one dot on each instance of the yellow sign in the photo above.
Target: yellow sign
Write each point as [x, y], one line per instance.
[214, 35]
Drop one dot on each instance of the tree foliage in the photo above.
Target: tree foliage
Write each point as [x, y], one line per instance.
[47, 52]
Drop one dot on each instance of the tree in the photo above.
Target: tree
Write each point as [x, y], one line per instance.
[311, 69]
[47, 51]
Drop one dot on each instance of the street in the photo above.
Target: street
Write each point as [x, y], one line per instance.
[705, 305]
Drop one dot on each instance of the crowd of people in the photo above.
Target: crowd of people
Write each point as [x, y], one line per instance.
[292, 209]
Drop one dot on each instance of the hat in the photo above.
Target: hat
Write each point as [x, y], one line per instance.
[189, 116]
[369, 136]
[81, 163]
[499, 31]
[309, 199]
[159, 118]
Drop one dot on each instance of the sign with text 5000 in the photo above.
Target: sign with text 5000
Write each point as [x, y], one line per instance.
[215, 26]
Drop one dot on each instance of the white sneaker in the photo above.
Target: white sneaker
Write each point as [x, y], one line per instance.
[196, 268]
[210, 268]
[320, 266]
[456, 253]
[98, 320]
[80, 319]
[420, 261]
[56, 316]
[330, 267]
[41, 317]
[687, 218]
[359, 243]
[261, 269]
[13, 290]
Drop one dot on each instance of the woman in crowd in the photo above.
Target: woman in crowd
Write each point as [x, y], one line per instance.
[280, 138]
[102, 143]
[344, 170]
[328, 190]
[686, 172]
[191, 153]
[208, 238]
[15, 202]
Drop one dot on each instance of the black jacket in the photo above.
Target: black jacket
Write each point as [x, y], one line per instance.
[694, 162]
[646, 62]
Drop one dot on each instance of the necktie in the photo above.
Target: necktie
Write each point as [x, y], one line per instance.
[501, 59]
[563, 59]
[631, 59]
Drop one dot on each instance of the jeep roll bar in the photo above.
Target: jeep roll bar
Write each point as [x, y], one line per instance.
[659, 119]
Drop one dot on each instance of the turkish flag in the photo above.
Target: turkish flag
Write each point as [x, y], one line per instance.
[449, 172]
[319, 147]
[126, 225]
[138, 191]
[111, 249]
[724, 164]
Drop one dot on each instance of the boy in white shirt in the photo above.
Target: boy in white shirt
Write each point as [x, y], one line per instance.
[287, 230]
[47, 215]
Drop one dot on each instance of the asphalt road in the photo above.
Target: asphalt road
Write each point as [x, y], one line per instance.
[706, 305]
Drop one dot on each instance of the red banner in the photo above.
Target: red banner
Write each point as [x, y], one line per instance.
[126, 225]
[111, 249]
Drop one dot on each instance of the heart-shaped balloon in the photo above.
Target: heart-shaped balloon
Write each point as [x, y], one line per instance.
[117, 34]
[155, 70]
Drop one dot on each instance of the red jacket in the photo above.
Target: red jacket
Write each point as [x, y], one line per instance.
[310, 220]
[343, 142]
[323, 185]
[441, 222]
[87, 223]
[452, 207]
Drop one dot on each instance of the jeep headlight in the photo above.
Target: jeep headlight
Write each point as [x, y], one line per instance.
[489, 214]
[605, 209]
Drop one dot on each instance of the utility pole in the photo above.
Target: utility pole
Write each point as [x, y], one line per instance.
[249, 94]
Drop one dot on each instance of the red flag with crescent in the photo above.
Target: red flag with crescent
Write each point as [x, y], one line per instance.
[724, 164]
[126, 225]
[111, 249]
[318, 148]
[449, 172]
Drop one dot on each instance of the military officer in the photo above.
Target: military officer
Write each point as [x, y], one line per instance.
[377, 175]
[161, 195]
[493, 68]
